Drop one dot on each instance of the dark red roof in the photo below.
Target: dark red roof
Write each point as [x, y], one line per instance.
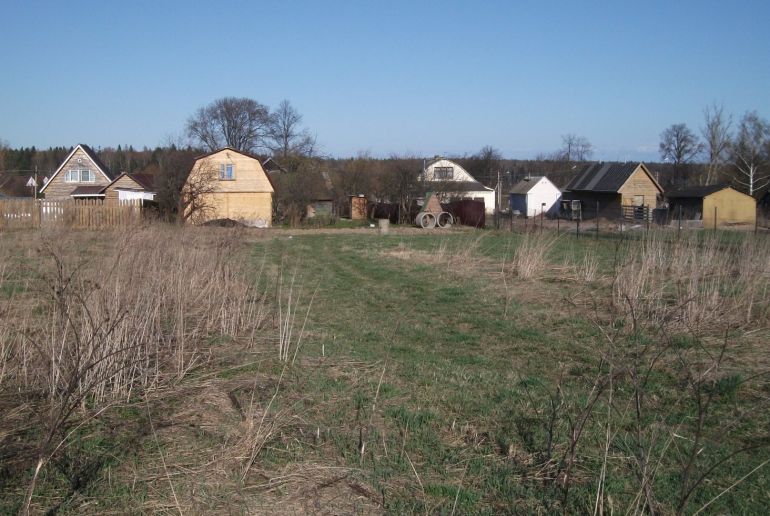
[92, 190]
[146, 181]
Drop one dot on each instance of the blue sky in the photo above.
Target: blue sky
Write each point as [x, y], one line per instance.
[384, 77]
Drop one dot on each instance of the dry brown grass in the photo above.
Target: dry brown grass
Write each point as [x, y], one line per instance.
[530, 256]
[698, 284]
[90, 320]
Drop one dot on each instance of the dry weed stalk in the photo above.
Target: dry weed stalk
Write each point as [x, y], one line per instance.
[288, 303]
[697, 283]
[529, 257]
[121, 315]
[699, 288]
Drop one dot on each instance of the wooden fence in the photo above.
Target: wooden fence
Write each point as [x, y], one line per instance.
[79, 214]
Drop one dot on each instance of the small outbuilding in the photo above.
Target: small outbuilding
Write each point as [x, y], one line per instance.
[535, 195]
[715, 205]
[130, 187]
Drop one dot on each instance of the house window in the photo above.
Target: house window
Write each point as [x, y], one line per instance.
[226, 172]
[443, 172]
[79, 176]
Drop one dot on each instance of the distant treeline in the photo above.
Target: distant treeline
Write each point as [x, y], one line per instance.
[342, 176]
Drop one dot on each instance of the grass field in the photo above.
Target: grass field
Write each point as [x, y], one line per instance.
[467, 372]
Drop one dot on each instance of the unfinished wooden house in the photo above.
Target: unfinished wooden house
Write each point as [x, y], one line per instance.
[229, 184]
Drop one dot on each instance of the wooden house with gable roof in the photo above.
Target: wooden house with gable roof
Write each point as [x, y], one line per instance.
[613, 186]
[81, 175]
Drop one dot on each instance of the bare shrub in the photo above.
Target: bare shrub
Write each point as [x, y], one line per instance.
[119, 316]
[529, 257]
[679, 316]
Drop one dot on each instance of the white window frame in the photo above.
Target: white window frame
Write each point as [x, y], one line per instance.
[443, 173]
[223, 171]
[75, 175]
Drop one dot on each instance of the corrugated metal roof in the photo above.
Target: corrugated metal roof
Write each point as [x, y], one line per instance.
[602, 177]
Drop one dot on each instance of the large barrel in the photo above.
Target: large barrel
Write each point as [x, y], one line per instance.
[425, 220]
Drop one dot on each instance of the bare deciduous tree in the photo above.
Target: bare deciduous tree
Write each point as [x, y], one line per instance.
[680, 146]
[485, 165]
[173, 168]
[716, 137]
[401, 177]
[195, 199]
[575, 148]
[287, 137]
[749, 153]
[240, 123]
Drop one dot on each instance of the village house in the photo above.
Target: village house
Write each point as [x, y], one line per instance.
[612, 188]
[230, 184]
[81, 175]
[449, 181]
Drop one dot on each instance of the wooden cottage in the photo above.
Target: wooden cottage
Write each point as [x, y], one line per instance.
[230, 184]
[81, 175]
[715, 205]
[534, 195]
[614, 188]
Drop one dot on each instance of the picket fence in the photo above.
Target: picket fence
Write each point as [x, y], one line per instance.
[78, 214]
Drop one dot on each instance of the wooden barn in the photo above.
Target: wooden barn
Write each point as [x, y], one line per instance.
[615, 188]
[715, 205]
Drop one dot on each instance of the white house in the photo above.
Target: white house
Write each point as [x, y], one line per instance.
[535, 195]
[448, 180]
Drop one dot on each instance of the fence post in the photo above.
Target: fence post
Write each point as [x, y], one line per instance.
[541, 219]
[558, 218]
[679, 231]
[647, 214]
[597, 220]
[577, 227]
[715, 219]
